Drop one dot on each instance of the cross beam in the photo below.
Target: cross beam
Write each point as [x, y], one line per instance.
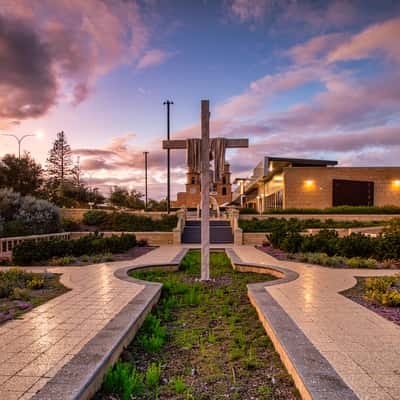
[181, 144]
[205, 180]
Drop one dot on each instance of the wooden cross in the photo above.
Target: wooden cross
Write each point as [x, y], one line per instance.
[205, 180]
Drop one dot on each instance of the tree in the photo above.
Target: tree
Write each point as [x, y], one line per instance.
[22, 175]
[59, 162]
[120, 197]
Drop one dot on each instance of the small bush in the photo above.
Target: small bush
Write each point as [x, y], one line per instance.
[35, 283]
[178, 384]
[153, 375]
[358, 262]
[20, 294]
[383, 290]
[123, 380]
[31, 252]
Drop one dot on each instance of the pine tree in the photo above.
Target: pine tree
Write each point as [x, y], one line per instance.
[59, 162]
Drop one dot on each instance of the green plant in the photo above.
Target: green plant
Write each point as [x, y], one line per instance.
[383, 291]
[358, 262]
[211, 337]
[35, 283]
[20, 294]
[178, 384]
[124, 380]
[66, 260]
[26, 215]
[250, 361]
[153, 375]
[265, 392]
[31, 252]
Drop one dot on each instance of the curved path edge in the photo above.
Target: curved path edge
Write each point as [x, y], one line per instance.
[313, 375]
[83, 375]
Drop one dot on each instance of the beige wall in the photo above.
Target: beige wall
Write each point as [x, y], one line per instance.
[153, 238]
[76, 214]
[318, 194]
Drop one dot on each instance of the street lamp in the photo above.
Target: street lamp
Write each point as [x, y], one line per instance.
[18, 139]
[145, 177]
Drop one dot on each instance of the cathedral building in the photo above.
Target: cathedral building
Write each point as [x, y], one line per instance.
[221, 190]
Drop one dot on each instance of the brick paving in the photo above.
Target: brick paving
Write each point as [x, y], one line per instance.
[35, 347]
[363, 347]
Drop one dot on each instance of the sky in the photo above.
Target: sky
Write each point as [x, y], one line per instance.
[301, 78]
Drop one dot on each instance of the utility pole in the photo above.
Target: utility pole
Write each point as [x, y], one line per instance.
[145, 177]
[168, 104]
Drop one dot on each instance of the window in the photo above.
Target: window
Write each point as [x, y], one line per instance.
[193, 181]
[192, 190]
[224, 191]
[224, 180]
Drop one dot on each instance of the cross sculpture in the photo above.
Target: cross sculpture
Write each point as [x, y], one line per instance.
[205, 180]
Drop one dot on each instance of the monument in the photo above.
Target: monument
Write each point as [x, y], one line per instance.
[198, 152]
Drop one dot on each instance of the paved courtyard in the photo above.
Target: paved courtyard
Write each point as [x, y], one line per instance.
[363, 347]
[35, 347]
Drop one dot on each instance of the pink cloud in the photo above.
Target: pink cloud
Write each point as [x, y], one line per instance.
[382, 38]
[153, 57]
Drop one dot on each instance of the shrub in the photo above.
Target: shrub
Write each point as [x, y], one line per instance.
[123, 380]
[382, 290]
[35, 283]
[358, 262]
[70, 225]
[356, 245]
[339, 210]
[153, 375]
[95, 217]
[178, 384]
[26, 215]
[248, 211]
[325, 241]
[20, 294]
[30, 252]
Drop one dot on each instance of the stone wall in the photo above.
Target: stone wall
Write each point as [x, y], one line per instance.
[311, 187]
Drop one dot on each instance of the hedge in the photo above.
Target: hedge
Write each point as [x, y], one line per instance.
[338, 210]
[124, 222]
[30, 252]
[265, 225]
[287, 236]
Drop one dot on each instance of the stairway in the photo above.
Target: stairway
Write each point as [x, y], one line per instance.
[220, 232]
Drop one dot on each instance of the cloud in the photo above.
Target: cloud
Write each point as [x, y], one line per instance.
[53, 51]
[28, 84]
[308, 14]
[153, 57]
[252, 100]
[381, 38]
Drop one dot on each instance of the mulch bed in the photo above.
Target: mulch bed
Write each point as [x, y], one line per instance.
[278, 254]
[356, 294]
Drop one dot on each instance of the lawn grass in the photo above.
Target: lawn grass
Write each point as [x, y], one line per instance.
[203, 341]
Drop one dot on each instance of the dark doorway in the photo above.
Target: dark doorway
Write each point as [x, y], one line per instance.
[352, 193]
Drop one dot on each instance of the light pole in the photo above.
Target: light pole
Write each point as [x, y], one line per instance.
[145, 177]
[18, 139]
[168, 104]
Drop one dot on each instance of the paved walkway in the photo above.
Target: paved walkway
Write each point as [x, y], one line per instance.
[34, 348]
[363, 347]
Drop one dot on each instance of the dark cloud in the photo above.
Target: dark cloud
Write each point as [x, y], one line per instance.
[28, 86]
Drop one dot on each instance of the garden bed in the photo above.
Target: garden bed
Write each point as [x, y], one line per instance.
[357, 294]
[20, 291]
[202, 341]
[131, 254]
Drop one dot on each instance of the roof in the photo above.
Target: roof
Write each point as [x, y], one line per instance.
[302, 161]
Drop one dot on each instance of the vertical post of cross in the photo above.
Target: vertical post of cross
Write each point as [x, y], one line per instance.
[205, 190]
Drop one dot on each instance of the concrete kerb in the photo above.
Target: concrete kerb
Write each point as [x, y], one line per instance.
[314, 377]
[83, 375]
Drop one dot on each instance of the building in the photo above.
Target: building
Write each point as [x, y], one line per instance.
[221, 191]
[278, 182]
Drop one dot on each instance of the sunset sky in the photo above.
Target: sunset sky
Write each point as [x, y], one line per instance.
[300, 78]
